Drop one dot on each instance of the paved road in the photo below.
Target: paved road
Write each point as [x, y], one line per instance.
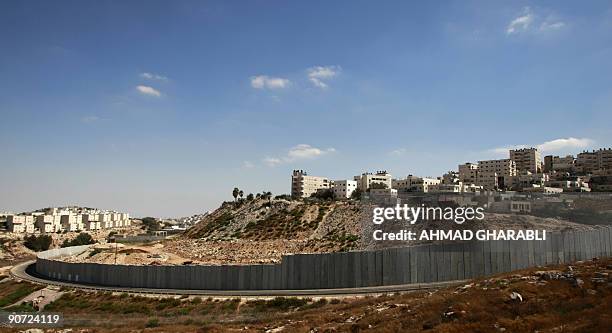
[21, 271]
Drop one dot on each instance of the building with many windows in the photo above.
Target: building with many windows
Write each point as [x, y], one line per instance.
[527, 159]
[343, 188]
[365, 180]
[303, 185]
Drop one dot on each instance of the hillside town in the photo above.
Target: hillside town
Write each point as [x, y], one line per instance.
[65, 219]
[523, 171]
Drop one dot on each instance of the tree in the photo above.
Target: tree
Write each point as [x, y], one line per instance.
[241, 194]
[378, 186]
[250, 197]
[235, 193]
[81, 239]
[324, 194]
[356, 194]
[150, 223]
[40, 243]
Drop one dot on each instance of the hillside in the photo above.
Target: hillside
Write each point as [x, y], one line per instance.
[276, 226]
[261, 230]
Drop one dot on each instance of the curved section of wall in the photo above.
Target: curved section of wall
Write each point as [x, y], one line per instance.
[393, 266]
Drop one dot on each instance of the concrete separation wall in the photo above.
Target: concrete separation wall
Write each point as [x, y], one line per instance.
[392, 266]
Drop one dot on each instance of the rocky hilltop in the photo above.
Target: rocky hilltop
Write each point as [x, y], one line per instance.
[262, 230]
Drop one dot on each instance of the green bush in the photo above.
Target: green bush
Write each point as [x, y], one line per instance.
[153, 322]
[82, 239]
[38, 243]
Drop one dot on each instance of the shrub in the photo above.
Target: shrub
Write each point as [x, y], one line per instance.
[153, 322]
[82, 239]
[38, 243]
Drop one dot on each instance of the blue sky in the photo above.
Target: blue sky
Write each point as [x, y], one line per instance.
[162, 107]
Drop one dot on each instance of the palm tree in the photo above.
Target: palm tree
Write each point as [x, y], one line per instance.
[241, 194]
[235, 193]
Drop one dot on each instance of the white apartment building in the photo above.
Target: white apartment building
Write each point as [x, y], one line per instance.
[105, 220]
[344, 188]
[527, 159]
[414, 184]
[365, 180]
[49, 223]
[92, 221]
[72, 222]
[20, 223]
[303, 185]
[468, 173]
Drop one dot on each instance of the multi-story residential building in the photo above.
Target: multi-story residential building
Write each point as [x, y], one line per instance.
[20, 223]
[303, 185]
[451, 178]
[105, 220]
[488, 180]
[49, 223]
[92, 221]
[365, 180]
[527, 159]
[414, 184]
[525, 179]
[344, 188]
[72, 222]
[559, 164]
[503, 167]
[591, 161]
[468, 173]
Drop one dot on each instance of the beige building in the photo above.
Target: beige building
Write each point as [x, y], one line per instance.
[365, 180]
[72, 222]
[468, 173]
[105, 220]
[525, 179]
[92, 221]
[303, 185]
[488, 180]
[527, 159]
[414, 184]
[559, 164]
[49, 223]
[591, 161]
[503, 167]
[343, 188]
[20, 224]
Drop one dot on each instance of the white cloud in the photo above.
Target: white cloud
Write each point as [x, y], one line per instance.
[264, 81]
[319, 74]
[146, 90]
[304, 151]
[297, 153]
[520, 23]
[272, 161]
[562, 144]
[153, 76]
[529, 21]
[548, 26]
[565, 143]
[398, 152]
